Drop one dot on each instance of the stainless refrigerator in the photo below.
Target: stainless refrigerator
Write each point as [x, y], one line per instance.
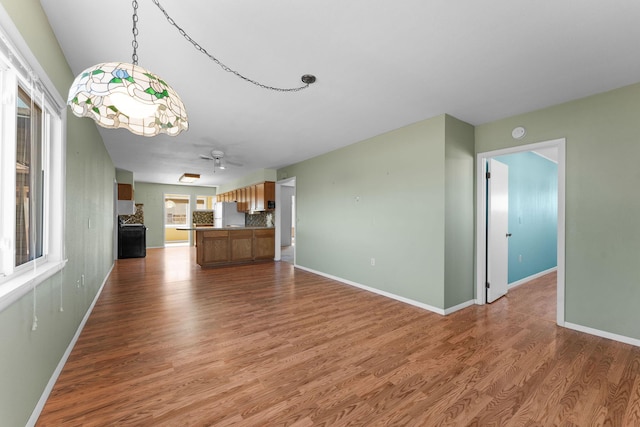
[225, 214]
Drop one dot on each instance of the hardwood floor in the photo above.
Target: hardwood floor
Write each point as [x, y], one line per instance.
[169, 344]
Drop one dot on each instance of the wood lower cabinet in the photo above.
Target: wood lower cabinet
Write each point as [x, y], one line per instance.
[234, 246]
[265, 244]
[212, 247]
[241, 245]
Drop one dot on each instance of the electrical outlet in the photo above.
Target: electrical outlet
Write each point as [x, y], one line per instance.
[82, 279]
[519, 258]
[373, 262]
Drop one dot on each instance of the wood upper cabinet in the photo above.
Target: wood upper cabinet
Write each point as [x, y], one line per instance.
[242, 200]
[269, 194]
[264, 193]
[125, 192]
[260, 205]
[251, 198]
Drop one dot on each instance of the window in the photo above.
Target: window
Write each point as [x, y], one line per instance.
[204, 203]
[176, 208]
[29, 180]
[31, 172]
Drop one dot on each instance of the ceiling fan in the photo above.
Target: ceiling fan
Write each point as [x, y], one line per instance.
[219, 161]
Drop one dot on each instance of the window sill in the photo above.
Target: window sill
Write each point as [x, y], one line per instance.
[20, 284]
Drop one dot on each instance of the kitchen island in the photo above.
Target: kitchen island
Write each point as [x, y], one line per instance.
[233, 245]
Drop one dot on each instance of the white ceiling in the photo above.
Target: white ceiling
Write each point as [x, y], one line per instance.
[380, 65]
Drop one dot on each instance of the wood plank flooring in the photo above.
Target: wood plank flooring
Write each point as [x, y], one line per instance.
[169, 344]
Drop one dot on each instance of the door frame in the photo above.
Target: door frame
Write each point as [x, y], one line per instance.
[481, 218]
[278, 217]
[497, 270]
[190, 197]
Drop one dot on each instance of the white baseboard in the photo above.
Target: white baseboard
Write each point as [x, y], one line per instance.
[52, 381]
[390, 295]
[579, 328]
[603, 334]
[533, 276]
[459, 307]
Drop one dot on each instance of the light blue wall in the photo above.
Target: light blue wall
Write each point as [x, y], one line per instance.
[602, 135]
[533, 214]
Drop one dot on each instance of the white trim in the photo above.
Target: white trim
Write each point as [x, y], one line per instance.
[481, 195]
[54, 377]
[459, 307]
[27, 61]
[389, 294]
[603, 334]
[278, 218]
[21, 284]
[22, 66]
[532, 277]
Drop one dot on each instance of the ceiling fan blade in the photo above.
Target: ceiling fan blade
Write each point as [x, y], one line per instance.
[233, 163]
[202, 156]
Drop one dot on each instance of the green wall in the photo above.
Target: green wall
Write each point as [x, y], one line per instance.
[152, 197]
[28, 358]
[261, 175]
[384, 198]
[124, 176]
[459, 212]
[602, 205]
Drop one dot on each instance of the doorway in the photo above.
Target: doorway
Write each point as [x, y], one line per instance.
[285, 220]
[481, 218]
[177, 214]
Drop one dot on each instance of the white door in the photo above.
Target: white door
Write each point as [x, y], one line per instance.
[497, 230]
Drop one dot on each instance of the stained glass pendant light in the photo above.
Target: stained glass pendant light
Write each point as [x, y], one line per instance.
[123, 95]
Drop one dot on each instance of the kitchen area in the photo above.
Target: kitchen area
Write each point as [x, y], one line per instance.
[235, 227]
[132, 240]
[243, 228]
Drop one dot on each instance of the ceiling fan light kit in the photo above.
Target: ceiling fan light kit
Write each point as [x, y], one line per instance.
[218, 159]
[123, 95]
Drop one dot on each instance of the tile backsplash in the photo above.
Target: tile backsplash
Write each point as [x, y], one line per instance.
[136, 218]
[260, 219]
[202, 217]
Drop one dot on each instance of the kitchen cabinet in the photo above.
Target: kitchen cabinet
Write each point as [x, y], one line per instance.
[212, 247]
[242, 200]
[265, 244]
[125, 192]
[259, 203]
[253, 198]
[218, 247]
[241, 245]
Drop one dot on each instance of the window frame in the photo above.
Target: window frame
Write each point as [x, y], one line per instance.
[19, 67]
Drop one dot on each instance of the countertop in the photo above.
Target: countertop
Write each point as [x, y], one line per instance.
[209, 228]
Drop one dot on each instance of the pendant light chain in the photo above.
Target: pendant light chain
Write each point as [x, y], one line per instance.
[134, 43]
[306, 79]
